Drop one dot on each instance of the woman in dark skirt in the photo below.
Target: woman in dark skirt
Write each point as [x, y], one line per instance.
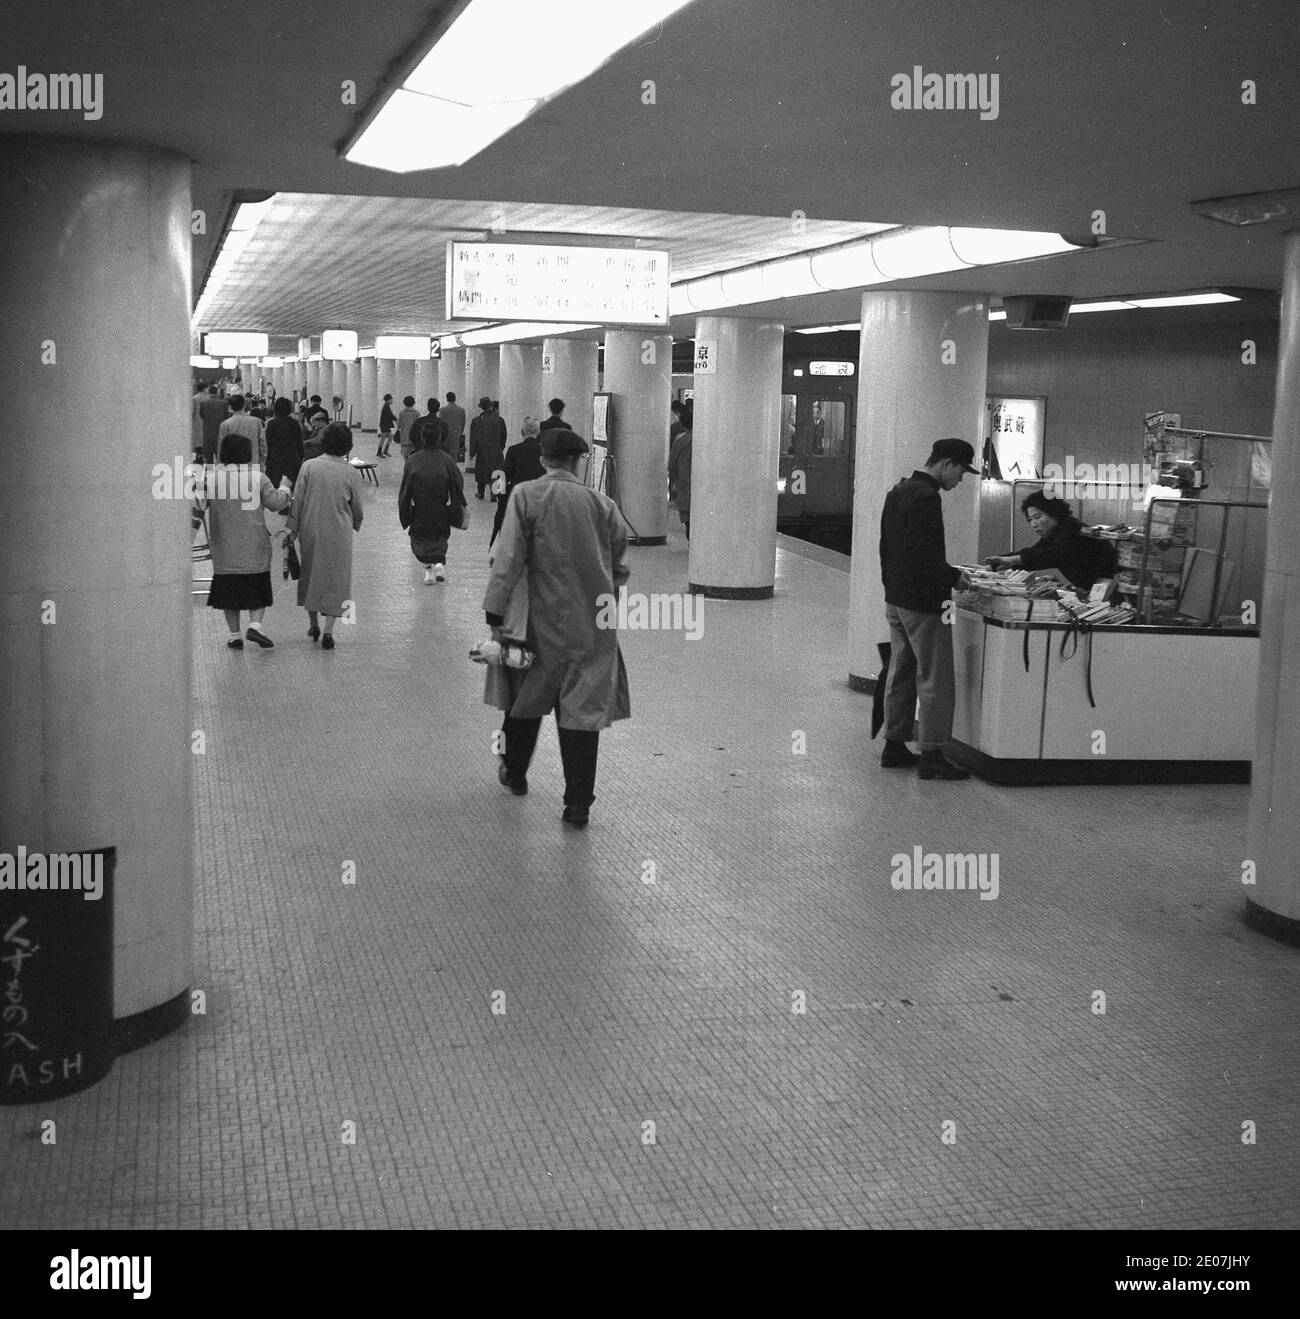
[235, 493]
[431, 486]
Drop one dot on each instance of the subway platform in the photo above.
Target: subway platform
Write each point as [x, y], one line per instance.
[709, 1009]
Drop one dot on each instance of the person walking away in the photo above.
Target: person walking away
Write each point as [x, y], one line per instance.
[487, 445]
[679, 475]
[284, 457]
[453, 415]
[918, 579]
[568, 541]
[523, 462]
[212, 412]
[241, 423]
[240, 541]
[406, 419]
[326, 512]
[554, 422]
[432, 428]
[387, 424]
[431, 487]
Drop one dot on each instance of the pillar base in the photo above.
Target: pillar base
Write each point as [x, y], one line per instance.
[142, 1028]
[867, 685]
[731, 592]
[1284, 929]
[647, 540]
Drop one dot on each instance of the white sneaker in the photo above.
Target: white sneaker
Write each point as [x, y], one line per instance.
[439, 573]
[428, 577]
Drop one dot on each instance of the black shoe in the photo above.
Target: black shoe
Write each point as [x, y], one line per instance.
[313, 634]
[327, 641]
[235, 643]
[259, 638]
[518, 784]
[577, 816]
[896, 755]
[934, 765]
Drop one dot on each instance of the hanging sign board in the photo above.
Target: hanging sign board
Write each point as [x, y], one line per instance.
[537, 282]
[1013, 434]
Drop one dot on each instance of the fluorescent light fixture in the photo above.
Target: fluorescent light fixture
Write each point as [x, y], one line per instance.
[915, 252]
[403, 347]
[338, 345]
[366, 352]
[314, 357]
[229, 363]
[830, 329]
[235, 343]
[997, 316]
[1112, 304]
[451, 106]
[1183, 300]
[994, 247]
[509, 333]
[290, 361]
[204, 361]
[272, 363]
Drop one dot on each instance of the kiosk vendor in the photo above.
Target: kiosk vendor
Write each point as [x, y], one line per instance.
[1062, 544]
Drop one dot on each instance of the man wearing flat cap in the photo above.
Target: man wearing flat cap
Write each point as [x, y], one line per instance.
[918, 579]
[567, 542]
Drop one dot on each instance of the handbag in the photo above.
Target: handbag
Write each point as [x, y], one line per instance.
[458, 515]
[291, 562]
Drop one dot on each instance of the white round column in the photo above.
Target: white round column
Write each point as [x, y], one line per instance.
[451, 379]
[521, 387]
[638, 375]
[570, 370]
[922, 376]
[370, 404]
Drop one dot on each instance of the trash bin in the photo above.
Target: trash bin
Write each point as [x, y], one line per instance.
[56, 973]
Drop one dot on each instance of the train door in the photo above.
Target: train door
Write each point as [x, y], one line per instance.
[817, 450]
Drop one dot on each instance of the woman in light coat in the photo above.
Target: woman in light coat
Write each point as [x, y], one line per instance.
[326, 513]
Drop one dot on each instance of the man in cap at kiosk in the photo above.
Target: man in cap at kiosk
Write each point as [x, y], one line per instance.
[918, 579]
[568, 542]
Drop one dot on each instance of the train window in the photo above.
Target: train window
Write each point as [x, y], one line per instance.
[826, 434]
[789, 421]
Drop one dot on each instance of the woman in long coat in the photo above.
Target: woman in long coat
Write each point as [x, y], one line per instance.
[487, 446]
[326, 512]
[431, 484]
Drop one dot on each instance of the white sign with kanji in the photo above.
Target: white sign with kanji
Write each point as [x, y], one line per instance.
[706, 357]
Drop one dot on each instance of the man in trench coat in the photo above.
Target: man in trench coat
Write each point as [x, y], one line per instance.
[567, 542]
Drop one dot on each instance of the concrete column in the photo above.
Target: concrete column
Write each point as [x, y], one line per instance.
[569, 372]
[1273, 822]
[521, 386]
[352, 391]
[735, 457]
[430, 378]
[419, 384]
[386, 383]
[638, 373]
[313, 380]
[95, 725]
[370, 403]
[452, 378]
[922, 375]
[482, 376]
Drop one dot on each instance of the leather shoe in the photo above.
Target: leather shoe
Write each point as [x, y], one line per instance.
[518, 784]
[896, 755]
[577, 816]
[934, 765]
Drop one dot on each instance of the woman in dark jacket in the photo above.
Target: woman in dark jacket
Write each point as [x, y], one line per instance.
[1061, 544]
[283, 444]
[431, 484]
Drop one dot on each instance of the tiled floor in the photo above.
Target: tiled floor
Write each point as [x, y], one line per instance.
[646, 1067]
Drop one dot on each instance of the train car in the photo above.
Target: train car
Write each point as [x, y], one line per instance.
[819, 395]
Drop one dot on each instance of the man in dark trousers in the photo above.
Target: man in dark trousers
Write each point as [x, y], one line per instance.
[212, 412]
[433, 417]
[487, 445]
[918, 579]
[453, 417]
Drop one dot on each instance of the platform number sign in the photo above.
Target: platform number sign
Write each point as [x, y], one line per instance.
[548, 363]
[706, 357]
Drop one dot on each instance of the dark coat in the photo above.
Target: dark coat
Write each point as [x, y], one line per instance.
[913, 558]
[1083, 559]
[679, 471]
[283, 449]
[487, 445]
[430, 483]
[523, 462]
[387, 419]
[554, 423]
